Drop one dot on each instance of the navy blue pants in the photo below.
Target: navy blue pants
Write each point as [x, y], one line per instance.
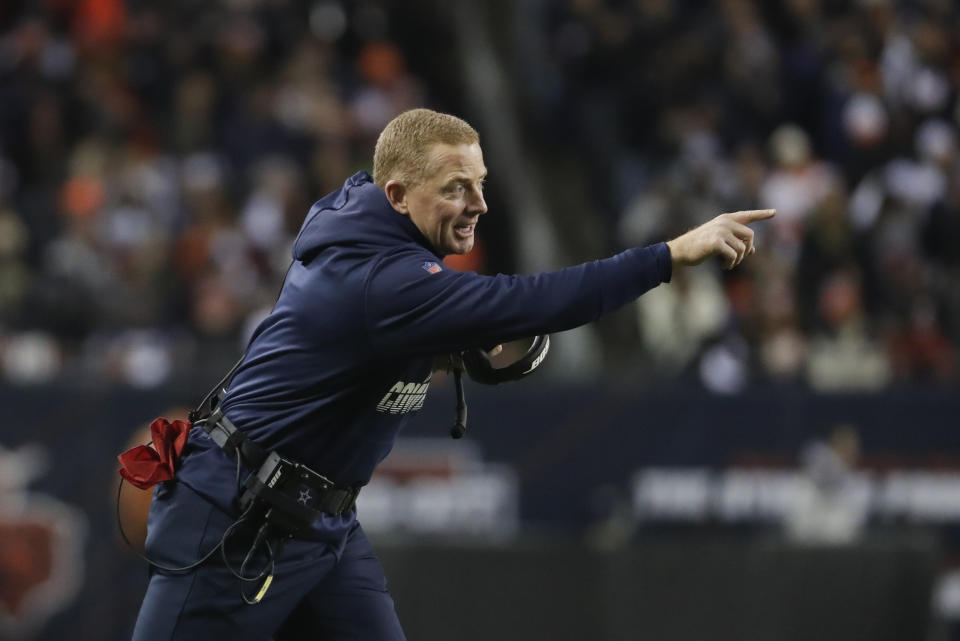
[314, 595]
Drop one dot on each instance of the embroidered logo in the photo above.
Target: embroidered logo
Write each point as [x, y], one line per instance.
[404, 397]
[433, 268]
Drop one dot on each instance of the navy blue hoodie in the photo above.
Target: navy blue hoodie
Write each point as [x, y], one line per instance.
[335, 371]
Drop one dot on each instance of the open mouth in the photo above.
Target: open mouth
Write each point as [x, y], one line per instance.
[464, 231]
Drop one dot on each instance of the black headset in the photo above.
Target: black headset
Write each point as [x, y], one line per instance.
[479, 368]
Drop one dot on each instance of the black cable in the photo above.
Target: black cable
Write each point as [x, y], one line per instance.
[268, 570]
[219, 387]
[460, 425]
[238, 472]
[216, 389]
[185, 568]
[202, 423]
[260, 538]
[195, 418]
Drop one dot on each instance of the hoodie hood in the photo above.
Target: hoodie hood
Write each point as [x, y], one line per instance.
[358, 214]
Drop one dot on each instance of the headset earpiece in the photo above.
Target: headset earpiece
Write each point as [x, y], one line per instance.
[481, 370]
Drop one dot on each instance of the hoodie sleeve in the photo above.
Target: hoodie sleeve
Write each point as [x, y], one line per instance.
[413, 308]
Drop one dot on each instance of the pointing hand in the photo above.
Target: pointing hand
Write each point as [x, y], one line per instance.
[727, 236]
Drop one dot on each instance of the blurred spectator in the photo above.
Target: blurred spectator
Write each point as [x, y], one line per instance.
[675, 321]
[155, 162]
[797, 185]
[843, 355]
[830, 506]
[782, 343]
[857, 105]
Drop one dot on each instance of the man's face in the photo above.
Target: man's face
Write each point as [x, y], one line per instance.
[446, 206]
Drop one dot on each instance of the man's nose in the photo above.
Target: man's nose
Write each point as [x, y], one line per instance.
[477, 204]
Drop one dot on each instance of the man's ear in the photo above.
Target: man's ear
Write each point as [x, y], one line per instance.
[397, 195]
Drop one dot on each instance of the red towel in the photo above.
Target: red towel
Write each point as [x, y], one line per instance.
[145, 466]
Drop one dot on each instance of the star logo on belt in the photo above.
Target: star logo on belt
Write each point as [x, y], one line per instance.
[305, 497]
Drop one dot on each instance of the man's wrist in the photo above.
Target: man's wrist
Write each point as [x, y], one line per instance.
[674, 254]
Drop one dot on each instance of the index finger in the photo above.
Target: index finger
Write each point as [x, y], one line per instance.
[751, 215]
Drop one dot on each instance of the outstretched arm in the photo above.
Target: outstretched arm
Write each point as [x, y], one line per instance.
[727, 236]
[413, 310]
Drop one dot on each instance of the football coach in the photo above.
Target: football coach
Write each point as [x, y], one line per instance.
[256, 537]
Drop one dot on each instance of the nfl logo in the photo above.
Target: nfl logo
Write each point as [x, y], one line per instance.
[433, 268]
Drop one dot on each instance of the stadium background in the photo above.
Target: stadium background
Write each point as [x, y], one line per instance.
[770, 453]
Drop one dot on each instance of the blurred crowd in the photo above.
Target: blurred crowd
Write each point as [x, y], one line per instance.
[156, 160]
[841, 114]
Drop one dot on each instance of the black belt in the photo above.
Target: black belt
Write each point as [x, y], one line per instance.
[292, 487]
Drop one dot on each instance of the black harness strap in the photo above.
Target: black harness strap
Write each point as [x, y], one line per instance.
[225, 434]
[306, 507]
[329, 499]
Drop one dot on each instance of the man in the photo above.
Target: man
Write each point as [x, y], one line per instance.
[364, 308]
